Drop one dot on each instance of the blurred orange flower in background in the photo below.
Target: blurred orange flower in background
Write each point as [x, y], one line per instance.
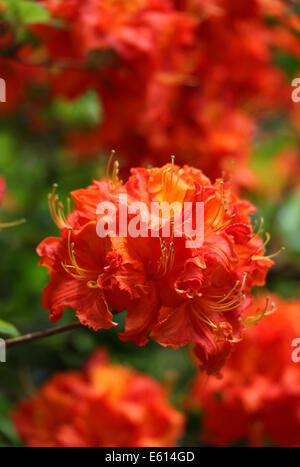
[257, 401]
[184, 77]
[100, 405]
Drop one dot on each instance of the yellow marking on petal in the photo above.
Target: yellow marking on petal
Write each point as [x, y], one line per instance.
[268, 236]
[173, 187]
[109, 163]
[257, 234]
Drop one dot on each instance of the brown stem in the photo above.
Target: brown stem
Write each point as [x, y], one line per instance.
[40, 334]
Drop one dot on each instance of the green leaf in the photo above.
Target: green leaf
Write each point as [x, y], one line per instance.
[26, 12]
[8, 329]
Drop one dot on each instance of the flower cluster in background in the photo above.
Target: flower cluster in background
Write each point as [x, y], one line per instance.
[260, 390]
[191, 78]
[100, 405]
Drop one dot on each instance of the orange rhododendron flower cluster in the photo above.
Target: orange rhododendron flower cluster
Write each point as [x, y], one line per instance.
[99, 406]
[258, 398]
[174, 294]
[188, 77]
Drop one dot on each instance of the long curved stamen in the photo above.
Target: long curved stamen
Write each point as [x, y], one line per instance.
[255, 257]
[221, 205]
[112, 169]
[234, 302]
[172, 169]
[166, 261]
[268, 237]
[7, 225]
[250, 321]
[261, 258]
[232, 305]
[207, 321]
[216, 327]
[115, 173]
[229, 293]
[256, 234]
[56, 209]
[73, 269]
[170, 180]
[262, 247]
[221, 227]
[225, 224]
[109, 163]
[68, 206]
[216, 222]
[260, 226]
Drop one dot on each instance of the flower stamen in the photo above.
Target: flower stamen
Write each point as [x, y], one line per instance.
[166, 261]
[253, 320]
[261, 258]
[56, 209]
[73, 269]
[234, 302]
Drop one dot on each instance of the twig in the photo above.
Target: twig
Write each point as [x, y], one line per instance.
[40, 334]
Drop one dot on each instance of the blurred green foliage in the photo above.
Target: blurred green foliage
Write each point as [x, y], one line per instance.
[25, 12]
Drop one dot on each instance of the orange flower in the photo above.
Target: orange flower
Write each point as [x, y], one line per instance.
[260, 389]
[194, 76]
[188, 77]
[101, 405]
[86, 274]
[176, 294]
